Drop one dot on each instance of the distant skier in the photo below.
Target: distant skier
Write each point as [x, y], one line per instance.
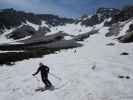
[44, 74]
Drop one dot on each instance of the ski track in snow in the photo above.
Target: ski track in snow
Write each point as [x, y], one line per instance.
[74, 67]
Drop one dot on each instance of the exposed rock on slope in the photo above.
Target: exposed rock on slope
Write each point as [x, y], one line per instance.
[114, 30]
[44, 29]
[100, 16]
[22, 32]
[126, 38]
[11, 18]
[124, 14]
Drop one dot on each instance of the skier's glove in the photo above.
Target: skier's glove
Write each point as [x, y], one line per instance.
[33, 74]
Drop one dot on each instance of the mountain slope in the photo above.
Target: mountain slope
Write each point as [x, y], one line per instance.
[99, 69]
[11, 18]
[90, 72]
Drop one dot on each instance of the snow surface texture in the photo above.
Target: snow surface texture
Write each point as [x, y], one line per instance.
[71, 29]
[87, 73]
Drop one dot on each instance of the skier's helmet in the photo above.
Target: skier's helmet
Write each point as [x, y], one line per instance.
[40, 64]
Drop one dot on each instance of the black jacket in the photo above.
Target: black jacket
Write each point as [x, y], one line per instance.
[44, 71]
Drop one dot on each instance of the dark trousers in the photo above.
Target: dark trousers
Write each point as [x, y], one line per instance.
[46, 82]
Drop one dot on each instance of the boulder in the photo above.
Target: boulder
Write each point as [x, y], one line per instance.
[124, 53]
[110, 44]
[130, 28]
[126, 38]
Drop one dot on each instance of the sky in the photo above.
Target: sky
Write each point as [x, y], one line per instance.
[65, 8]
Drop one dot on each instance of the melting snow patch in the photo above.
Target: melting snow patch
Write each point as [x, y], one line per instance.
[10, 51]
[67, 37]
[17, 41]
[125, 28]
[3, 38]
[25, 38]
[43, 24]
[35, 26]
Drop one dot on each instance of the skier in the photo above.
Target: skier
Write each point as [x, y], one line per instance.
[44, 75]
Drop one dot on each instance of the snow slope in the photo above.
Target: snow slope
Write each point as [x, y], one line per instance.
[71, 29]
[4, 39]
[126, 26]
[87, 73]
[35, 26]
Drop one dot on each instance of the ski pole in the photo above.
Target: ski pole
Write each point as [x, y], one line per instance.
[55, 76]
[37, 79]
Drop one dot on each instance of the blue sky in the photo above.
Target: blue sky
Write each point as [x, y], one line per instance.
[67, 8]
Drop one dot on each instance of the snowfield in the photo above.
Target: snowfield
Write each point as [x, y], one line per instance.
[71, 29]
[86, 73]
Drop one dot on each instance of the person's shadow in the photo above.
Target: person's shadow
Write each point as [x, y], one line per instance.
[51, 88]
